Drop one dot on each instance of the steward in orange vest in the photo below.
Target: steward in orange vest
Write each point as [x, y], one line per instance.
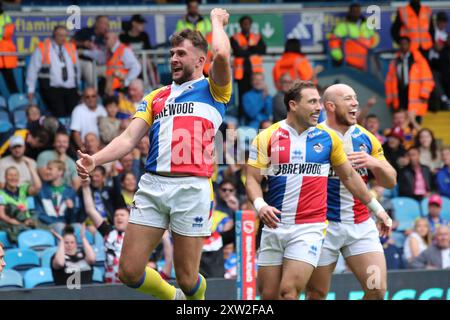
[415, 22]
[7, 63]
[409, 81]
[292, 62]
[209, 55]
[247, 50]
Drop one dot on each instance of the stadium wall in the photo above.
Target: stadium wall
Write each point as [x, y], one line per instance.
[402, 285]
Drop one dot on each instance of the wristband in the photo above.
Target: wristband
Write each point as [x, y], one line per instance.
[259, 203]
[375, 206]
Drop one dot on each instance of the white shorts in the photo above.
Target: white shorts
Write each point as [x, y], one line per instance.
[351, 239]
[302, 242]
[182, 203]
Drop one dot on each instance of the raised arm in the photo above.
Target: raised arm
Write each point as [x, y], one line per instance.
[221, 49]
[115, 150]
[36, 183]
[88, 251]
[89, 205]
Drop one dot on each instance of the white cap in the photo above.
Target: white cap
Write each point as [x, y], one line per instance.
[16, 141]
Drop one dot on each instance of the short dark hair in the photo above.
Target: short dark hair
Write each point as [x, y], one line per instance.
[41, 134]
[101, 169]
[195, 37]
[295, 92]
[226, 181]
[372, 116]
[68, 229]
[404, 38]
[110, 100]
[99, 17]
[188, 2]
[246, 17]
[292, 45]
[56, 28]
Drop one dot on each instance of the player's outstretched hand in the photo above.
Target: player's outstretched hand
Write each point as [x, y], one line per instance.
[220, 15]
[268, 215]
[85, 165]
[385, 223]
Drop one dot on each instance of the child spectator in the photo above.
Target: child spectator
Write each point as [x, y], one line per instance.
[109, 126]
[14, 213]
[68, 259]
[57, 203]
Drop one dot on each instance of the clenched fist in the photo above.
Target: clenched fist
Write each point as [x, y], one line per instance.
[220, 15]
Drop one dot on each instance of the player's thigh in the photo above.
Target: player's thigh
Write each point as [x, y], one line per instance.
[320, 281]
[295, 276]
[138, 244]
[269, 278]
[187, 252]
[370, 269]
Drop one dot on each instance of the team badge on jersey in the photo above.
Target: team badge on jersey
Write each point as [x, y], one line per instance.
[297, 155]
[363, 147]
[142, 106]
[318, 147]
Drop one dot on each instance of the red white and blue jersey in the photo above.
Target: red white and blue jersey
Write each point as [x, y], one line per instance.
[183, 121]
[342, 205]
[297, 167]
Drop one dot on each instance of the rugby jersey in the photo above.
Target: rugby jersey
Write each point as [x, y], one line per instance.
[297, 167]
[342, 205]
[183, 121]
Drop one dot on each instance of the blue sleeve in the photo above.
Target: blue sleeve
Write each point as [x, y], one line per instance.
[440, 182]
[268, 106]
[42, 216]
[248, 105]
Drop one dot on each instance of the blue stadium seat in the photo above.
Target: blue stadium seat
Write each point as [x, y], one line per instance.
[4, 115]
[5, 126]
[20, 118]
[10, 279]
[36, 239]
[406, 211]
[99, 255]
[30, 203]
[17, 101]
[3, 104]
[98, 275]
[46, 257]
[21, 259]
[4, 239]
[38, 277]
[445, 213]
[89, 236]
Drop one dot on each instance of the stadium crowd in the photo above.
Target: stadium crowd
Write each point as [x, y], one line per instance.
[40, 189]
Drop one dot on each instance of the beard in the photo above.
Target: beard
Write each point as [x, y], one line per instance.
[342, 120]
[186, 75]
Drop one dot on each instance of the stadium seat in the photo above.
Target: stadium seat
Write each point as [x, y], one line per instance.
[20, 118]
[5, 126]
[21, 259]
[10, 279]
[99, 255]
[4, 239]
[3, 104]
[46, 256]
[406, 211]
[4, 115]
[30, 203]
[36, 239]
[37, 277]
[19, 100]
[445, 213]
[89, 236]
[98, 275]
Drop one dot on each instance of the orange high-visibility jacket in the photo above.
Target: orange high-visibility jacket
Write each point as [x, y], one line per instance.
[7, 43]
[115, 64]
[45, 47]
[255, 60]
[209, 55]
[416, 28]
[296, 64]
[421, 84]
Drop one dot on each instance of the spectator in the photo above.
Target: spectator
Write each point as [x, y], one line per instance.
[438, 56]
[24, 165]
[415, 22]
[109, 126]
[193, 20]
[372, 123]
[33, 114]
[279, 110]
[61, 145]
[128, 183]
[248, 48]
[351, 39]
[37, 139]
[68, 259]
[429, 152]
[85, 118]
[2, 258]
[91, 42]
[121, 64]
[434, 213]
[409, 81]
[128, 104]
[92, 143]
[56, 65]
[405, 126]
[8, 63]
[363, 111]
[418, 240]
[292, 62]
[415, 180]
[57, 203]
[393, 254]
[112, 234]
[443, 175]
[436, 256]
[257, 103]
[129, 163]
[226, 200]
[137, 38]
[14, 213]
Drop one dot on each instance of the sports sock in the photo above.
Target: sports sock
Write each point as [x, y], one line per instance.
[198, 292]
[153, 284]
